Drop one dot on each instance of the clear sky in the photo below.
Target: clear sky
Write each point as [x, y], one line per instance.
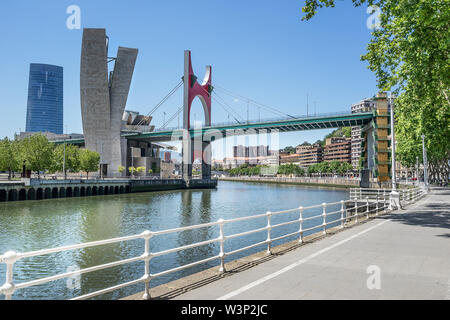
[260, 49]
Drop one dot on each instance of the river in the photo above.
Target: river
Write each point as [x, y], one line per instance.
[34, 225]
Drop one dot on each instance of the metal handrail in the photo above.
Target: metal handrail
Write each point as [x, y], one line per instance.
[356, 205]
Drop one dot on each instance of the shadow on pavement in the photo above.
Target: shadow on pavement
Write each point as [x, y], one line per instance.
[435, 214]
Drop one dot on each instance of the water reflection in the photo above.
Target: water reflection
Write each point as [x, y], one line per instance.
[34, 225]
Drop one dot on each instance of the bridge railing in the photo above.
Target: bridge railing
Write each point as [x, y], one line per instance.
[406, 196]
[310, 221]
[265, 120]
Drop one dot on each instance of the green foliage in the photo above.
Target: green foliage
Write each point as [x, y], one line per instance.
[334, 166]
[289, 149]
[140, 169]
[10, 158]
[288, 169]
[344, 168]
[410, 56]
[330, 167]
[120, 169]
[37, 152]
[72, 159]
[89, 161]
[131, 170]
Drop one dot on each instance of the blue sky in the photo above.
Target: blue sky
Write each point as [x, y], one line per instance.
[260, 49]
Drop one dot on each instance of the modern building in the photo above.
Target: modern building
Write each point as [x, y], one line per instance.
[338, 149]
[45, 99]
[104, 96]
[251, 151]
[309, 155]
[365, 105]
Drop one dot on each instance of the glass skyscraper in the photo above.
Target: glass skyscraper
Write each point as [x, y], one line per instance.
[45, 99]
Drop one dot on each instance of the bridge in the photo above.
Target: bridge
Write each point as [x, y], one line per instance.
[104, 130]
[326, 121]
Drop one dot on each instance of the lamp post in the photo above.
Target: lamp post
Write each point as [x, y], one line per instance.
[425, 164]
[64, 162]
[395, 196]
[417, 171]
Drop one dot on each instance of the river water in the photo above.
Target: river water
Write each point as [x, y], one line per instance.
[35, 225]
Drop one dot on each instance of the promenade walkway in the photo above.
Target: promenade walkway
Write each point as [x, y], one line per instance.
[408, 251]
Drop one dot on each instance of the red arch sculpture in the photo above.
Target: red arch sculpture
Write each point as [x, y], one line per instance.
[193, 89]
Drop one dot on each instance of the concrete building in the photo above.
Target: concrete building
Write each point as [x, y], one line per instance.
[290, 159]
[338, 148]
[45, 99]
[103, 98]
[309, 155]
[365, 105]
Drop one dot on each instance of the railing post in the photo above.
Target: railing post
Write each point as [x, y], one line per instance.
[9, 288]
[367, 207]
[356, 210]
[269, 231]
[147, 257]
[360, 193]
[222, 246]
[377, 208]
[301, 225]
[342, 213]
[324, 214]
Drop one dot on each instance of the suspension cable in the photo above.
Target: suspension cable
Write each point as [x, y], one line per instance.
[227, 107]
[172, 117]
[235, 95]
[159, 104]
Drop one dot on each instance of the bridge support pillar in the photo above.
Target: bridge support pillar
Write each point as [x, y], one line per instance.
[206, 160]
[188, 156]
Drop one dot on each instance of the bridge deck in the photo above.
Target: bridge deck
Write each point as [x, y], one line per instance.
[411, 248]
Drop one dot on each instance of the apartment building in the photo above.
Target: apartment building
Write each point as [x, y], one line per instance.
[309, 155]
[365, 105]
[338, 148]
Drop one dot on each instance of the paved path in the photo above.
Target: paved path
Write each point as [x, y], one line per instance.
[410, 249]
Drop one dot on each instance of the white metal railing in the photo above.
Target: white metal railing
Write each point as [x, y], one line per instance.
[349, 210]
[406, 196]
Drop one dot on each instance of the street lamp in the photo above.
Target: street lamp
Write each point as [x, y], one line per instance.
[395, 196]
[425, 163]
[417, 171]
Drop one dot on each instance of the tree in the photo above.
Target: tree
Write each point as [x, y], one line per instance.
[9, 156]
[334, 166]
[345, 167]
[132, 170]
[289, 149]
[313, 169]
[89, 161]
[72, 159]
[37, 153]
[120, 169]
[140, 169]
[410, 56]
[323, 167]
